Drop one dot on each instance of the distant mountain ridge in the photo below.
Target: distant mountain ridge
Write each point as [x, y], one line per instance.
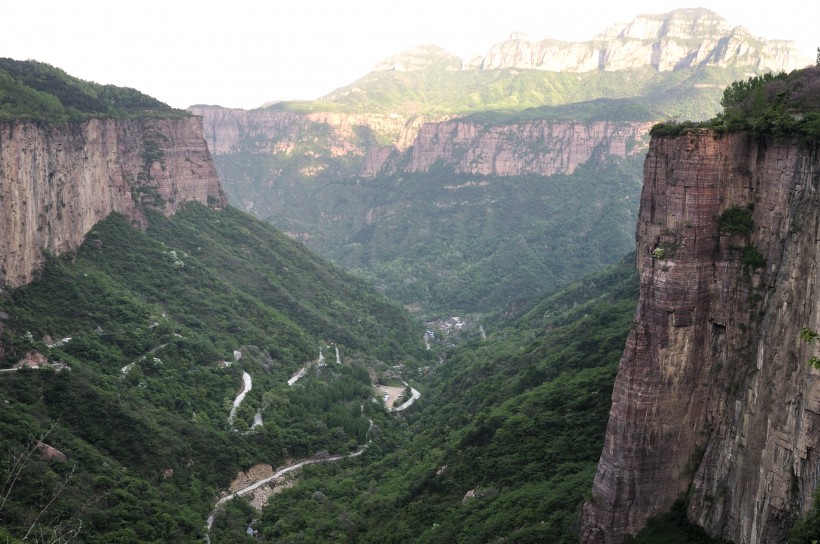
[675, 64]
[666, 42]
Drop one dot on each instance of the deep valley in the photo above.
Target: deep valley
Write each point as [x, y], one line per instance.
[564, 292]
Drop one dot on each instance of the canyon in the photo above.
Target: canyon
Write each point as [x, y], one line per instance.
[387, 175]
[447, 195]
[715, 400]
[58, 180]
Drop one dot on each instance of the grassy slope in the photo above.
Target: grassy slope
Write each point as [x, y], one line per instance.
[439, 92]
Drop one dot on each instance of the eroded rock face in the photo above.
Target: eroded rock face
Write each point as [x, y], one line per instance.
[541, 147]
[57, 181]
[538, 147]
[667, 42]
[229, 130]
[714, 399]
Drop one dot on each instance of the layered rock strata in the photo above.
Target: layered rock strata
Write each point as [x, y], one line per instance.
[667, 42]
[541, 147]
[714, 400]
[229, 130]
[384, 145]
[57, 181]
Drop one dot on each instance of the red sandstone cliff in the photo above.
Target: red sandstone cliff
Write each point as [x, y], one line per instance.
[541, 147]
[333, 134]
[714, 399]
[57, 181]
[388, 144]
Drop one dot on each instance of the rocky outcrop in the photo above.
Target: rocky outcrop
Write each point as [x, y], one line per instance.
[49, 453]
[57, 181]
[714, 400]
[667, 42]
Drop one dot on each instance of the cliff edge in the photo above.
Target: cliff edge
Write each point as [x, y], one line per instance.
[58, 179]
[714, 400]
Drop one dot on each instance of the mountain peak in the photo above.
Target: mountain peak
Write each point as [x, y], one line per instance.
[670, 41]
[681, 38]
[421, 58]
[684, 23]
[518, 35]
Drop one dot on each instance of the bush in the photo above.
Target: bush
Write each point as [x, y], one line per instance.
[736, 220]
[752, 257]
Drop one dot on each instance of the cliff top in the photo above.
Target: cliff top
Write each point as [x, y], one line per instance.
[768, 105]
[39, 91]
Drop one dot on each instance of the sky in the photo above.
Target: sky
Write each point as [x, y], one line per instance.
[241, 53]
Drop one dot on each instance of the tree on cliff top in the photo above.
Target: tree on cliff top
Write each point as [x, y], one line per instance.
[779, 105]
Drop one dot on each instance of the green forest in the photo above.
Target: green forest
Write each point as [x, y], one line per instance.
[769, 105]
[451, 243]
[138, 328]
[504, 444]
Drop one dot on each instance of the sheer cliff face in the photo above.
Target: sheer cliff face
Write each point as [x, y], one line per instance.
[714, 399]
[57, 181]
[526, 147]
[269, 131]
[385, 145]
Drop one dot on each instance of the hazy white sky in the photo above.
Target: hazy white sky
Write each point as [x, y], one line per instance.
[243, 53]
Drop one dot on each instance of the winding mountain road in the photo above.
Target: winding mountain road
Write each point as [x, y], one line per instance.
[280, 472]
[247, 384]
[409, 402]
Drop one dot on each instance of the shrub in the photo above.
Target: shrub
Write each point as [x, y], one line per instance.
[752, 257]
[736, 220]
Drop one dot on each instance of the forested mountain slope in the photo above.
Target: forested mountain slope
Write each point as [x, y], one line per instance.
[140, 341]
[502, 445]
